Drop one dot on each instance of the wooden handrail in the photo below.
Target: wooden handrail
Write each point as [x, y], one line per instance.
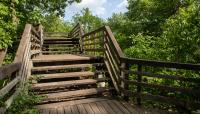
[29, 47]
[119, 69]
[24, 40]
[155, 63]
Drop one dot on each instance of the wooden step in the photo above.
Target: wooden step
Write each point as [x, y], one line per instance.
[63, 84]
[61, 42]
[67, 75]
[64, 59]
[56, 58]
[60, 39]
[63, 45]
[73, 94]
[60, 67]
[59, 52]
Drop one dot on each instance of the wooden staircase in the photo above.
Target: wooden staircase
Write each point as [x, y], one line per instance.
[59, 75]
[79, 72]
[55, 43]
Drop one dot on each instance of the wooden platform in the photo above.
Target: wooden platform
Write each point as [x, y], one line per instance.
[94, 106]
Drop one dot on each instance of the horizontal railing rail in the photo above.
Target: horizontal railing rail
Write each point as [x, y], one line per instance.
[136, 78]
[185, 90]
[77, 32]
[17, 72]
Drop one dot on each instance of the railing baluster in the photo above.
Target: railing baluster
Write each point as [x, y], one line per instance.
[124, 75]
[139, 87]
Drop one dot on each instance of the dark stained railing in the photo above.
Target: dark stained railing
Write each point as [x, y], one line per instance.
[138, 79]
[184, 92]
[76, 33]
[133, 77]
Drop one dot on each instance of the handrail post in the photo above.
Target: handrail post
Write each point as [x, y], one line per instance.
[40, 30]
[81, 33]
[139, 88]
[124, 75]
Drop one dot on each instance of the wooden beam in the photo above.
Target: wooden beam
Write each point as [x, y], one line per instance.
[8, 87]
[161, 63]
[24, 40]
[7, 70]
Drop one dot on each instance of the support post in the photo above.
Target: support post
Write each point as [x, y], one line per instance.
[139, 88]
[125, 76]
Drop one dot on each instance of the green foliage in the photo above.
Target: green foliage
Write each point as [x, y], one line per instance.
[53, 23]
[89, 21]
[148, 15]
[7, 28]
[182, 34]
[24, 102]
[146, 47]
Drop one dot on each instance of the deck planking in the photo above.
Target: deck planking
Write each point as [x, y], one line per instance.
[95, 106]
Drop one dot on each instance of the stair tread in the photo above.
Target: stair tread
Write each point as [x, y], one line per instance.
[64, 57]
[59, 39]
[71, 94]
[60, 51]
[60, 67]
[67, 75]
[53, 85]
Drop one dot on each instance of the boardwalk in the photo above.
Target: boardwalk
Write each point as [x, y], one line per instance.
[95, 106]
[84, 73]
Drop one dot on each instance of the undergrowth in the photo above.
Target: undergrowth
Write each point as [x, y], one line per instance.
[25, 101]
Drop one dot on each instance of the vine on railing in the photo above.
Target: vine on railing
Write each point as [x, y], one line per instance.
[17, 72]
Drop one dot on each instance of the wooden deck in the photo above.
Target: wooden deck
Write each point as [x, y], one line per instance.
[95, 106]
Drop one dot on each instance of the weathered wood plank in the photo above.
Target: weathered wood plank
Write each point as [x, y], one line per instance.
[24, 40]
[68, 103]
[129, 108]
[7, 70]
[81, 109]
[61, 110]
[95, 108]
[74, 109]
[114, 107]
[161, 63]
[163, 87]
[53, 111]
[120, 106]
[45, 111]
[173, 77]
[108, 107]
[88, 108]
[101, 108]
[8, 87]
[68, 110]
